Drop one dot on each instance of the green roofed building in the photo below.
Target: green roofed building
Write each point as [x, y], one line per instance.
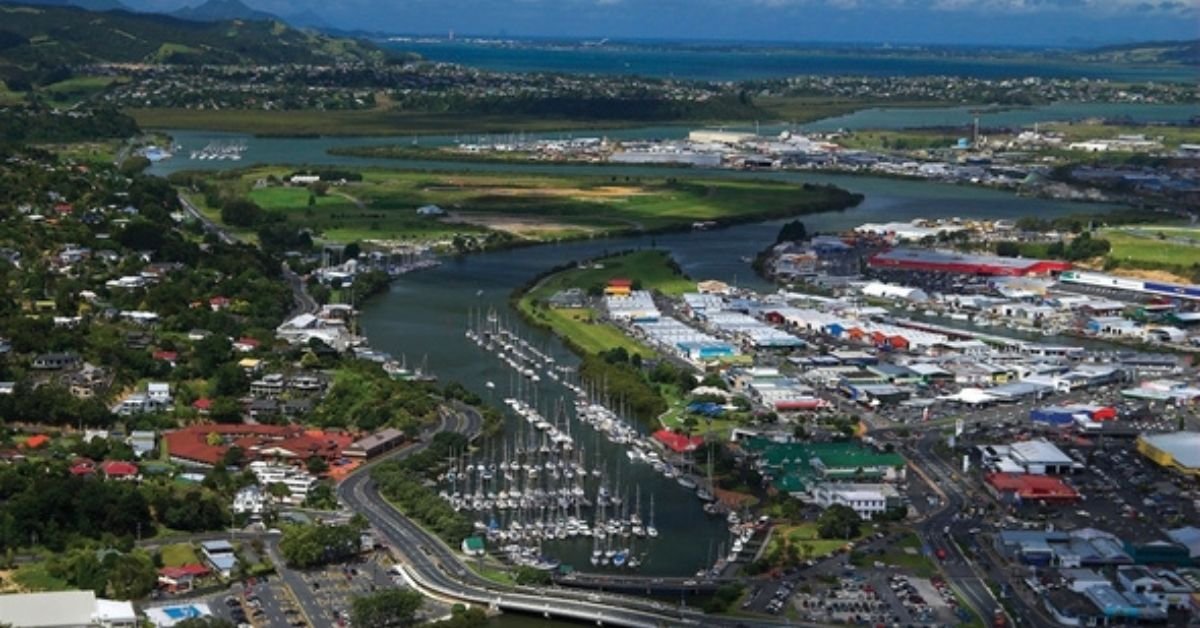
[473, 546]
[795, 467]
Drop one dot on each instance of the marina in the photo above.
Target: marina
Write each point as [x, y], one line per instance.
[541, 487]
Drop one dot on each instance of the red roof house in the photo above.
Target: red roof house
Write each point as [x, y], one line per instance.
[246, 344]
[83, 467]
[37, 441]
[119, 470]
[677, 442]
[166, 356]
[202, 405]
[182, 578]
[219, 303]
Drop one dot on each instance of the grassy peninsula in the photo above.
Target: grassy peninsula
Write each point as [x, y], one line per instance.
[484, 210]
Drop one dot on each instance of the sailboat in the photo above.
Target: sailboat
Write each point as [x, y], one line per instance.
[652, 531]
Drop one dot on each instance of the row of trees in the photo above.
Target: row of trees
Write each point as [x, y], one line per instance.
[406, 489]
[364, 397]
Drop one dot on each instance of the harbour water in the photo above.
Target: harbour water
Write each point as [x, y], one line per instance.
[742, 63]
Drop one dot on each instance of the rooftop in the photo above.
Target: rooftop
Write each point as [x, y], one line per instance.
[1184, 447]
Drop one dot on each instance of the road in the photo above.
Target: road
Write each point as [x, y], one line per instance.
[209, 225]
[952, 522]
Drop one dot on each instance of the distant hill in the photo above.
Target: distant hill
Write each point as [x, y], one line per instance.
[218, 10]
[33, 38]
[90, 5]
[1186, 52]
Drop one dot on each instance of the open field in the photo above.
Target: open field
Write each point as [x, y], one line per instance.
[579, 326]
[1171, 250]
[179, 554]
[1171, 136]
[652, 269]
[805, 539]
[525, 207]
[910, 139]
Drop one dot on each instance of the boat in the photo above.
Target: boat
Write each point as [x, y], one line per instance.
[686, 482]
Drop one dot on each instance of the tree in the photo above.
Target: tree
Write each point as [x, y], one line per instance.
[794, 231]
[384, 609]
[317, 465]
[240, 212]
[839, 522]
[1008, 249]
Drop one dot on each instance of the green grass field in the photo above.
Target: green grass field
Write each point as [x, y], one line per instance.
[1171, 136]
[1144, 245]
[592, 337]
[525, 207]
[179, 554]
[650, 268]
[34, 577]
[905, 554]
[804, 536]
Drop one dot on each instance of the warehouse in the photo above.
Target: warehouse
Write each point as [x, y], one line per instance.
[926, 260]
[1179, 451]
[382, 441]
[1037, 457]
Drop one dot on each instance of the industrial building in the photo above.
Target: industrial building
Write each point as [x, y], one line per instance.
[1035, 457]
[928, 260]
[1125, 284]
[1178, 451]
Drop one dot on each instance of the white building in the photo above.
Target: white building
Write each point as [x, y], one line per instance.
[867, 500]
[298, 482]
[65, 609]
[250, 500]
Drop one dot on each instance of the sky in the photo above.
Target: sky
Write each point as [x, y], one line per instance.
[990, 22]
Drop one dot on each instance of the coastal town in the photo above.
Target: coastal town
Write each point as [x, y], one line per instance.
[301, 327]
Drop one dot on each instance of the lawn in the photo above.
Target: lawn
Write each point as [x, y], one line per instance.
[179, 554]
[34, 577]
[804, 536]
[525, 206]
[577, 325]
[652, 269]
[1145, 246]
[1171, 136]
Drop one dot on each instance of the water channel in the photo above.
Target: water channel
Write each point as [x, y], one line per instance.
[425, 315]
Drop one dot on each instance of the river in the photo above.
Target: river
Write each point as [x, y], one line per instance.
[424, 314]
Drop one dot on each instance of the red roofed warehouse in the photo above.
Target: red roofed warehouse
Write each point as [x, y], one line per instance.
[927, 260]
[1026, 487]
